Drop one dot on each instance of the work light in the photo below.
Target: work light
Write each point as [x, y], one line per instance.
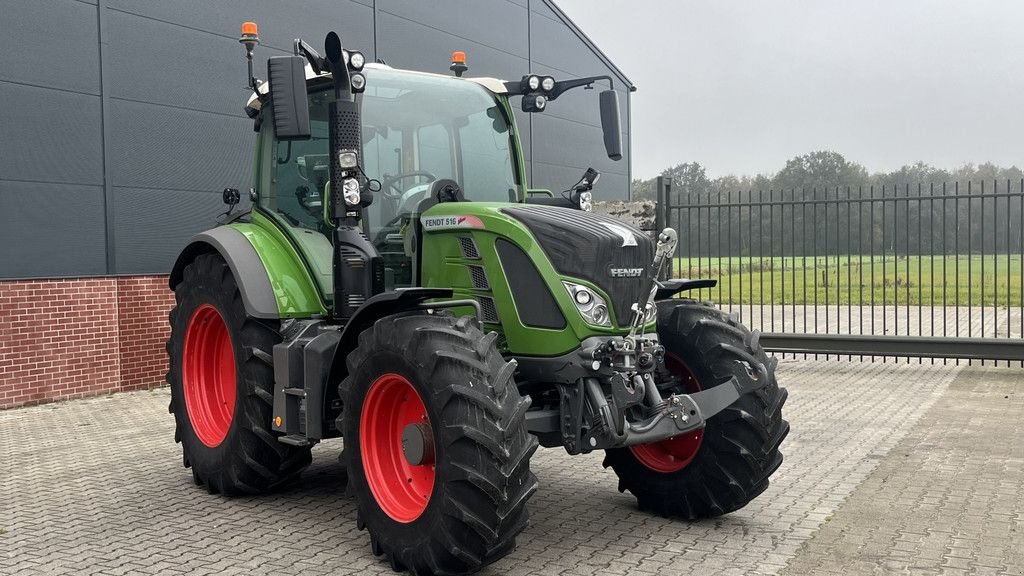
[358, 82]
[548, 83]
[348, 159]
[350, 190]
[586, 200]
[356, 60]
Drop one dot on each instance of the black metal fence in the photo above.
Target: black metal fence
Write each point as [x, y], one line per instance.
[912, 271]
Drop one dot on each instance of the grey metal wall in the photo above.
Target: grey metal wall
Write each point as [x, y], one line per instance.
[122, 119]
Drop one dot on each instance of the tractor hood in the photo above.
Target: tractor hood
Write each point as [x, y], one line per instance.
[601, 250]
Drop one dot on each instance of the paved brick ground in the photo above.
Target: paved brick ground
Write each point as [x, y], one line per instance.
[874, 482]
[950, 496]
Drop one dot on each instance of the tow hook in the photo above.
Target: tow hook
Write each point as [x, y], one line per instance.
[691, 411]
[677, 414]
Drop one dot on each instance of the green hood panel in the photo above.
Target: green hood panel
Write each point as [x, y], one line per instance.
[444, 264]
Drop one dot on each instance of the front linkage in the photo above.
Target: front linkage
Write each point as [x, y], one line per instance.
[626, 369]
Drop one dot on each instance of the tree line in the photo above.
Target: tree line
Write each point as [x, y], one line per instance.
[821, 203]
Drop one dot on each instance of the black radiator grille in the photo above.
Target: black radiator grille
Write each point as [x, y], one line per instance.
[479, 278]
[469, 248]
[490, 312]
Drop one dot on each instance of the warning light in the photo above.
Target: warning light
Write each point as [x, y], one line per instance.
[277, 421]
[458, 63]
[250, 29]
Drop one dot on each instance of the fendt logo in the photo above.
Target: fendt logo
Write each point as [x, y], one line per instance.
[625, 272]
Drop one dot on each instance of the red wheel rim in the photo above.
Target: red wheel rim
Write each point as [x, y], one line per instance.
[401, 489]
[676, 453]
[208, 375]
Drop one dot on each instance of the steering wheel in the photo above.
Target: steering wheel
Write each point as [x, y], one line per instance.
[389, 184]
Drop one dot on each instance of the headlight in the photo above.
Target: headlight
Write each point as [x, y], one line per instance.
[548, 83]
[591, 306]
[350, 190]
[533, 82]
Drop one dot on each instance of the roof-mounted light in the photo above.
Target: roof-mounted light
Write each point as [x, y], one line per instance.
[358, 82]
[356, 60]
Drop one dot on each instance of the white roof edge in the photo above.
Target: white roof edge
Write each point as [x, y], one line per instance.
[494, 85]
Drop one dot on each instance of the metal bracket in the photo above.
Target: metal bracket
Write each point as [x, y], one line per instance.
[456, 304]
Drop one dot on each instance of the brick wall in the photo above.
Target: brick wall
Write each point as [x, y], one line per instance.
[74, 337]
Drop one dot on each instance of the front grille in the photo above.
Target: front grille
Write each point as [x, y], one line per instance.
[488, 310]
[479, 278]
[469, 248]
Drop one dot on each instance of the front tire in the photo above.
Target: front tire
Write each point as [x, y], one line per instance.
[723, 467]
[222, 385]
[462, 503]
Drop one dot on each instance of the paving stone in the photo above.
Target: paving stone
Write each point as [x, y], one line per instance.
[96, 486]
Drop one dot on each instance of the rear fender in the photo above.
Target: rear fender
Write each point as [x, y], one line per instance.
[254, 257]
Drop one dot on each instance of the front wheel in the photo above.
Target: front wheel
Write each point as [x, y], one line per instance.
[436, 444]
[727, 464]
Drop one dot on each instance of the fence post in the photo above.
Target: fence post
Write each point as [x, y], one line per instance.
[660, 207]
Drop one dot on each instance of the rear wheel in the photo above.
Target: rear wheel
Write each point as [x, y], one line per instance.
[436, 444]
[727, 464]
[222, 383]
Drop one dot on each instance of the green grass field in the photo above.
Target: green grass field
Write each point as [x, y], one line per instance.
[853, 279]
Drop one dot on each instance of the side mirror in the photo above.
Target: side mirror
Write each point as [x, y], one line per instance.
[287, 76]
[610, 124]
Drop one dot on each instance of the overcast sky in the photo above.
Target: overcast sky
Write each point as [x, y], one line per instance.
[742, 86]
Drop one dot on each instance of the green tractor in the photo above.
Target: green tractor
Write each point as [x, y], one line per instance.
[396, 285]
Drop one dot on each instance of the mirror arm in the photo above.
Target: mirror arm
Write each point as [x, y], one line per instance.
[566, 85]
[316, 61]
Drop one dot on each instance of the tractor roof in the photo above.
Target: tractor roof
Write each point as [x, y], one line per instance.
[255, 101]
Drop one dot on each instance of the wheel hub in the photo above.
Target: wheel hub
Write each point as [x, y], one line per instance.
[418, 444]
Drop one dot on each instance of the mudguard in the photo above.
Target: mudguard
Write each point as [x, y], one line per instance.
[244, 262]
[377, 307]
[669, 288]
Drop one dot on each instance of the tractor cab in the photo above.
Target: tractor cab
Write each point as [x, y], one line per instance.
[417, 129]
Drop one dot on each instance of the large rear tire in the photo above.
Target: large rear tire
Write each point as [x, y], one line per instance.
[458, 500]
[722, 468]
[222, 385]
